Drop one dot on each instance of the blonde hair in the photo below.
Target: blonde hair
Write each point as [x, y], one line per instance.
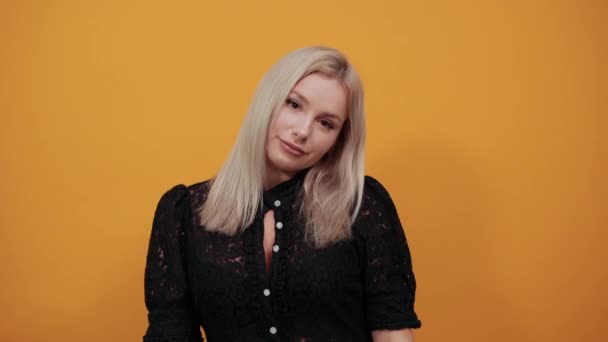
[332, 189]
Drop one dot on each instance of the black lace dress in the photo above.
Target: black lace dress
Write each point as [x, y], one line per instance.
[197, 278]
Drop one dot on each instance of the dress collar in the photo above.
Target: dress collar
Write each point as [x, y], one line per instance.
[284, 192]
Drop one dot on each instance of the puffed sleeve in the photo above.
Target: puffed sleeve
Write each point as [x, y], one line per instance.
[390, 285]
[171, 317]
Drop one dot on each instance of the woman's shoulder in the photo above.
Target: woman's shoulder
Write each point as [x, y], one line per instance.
[181, 194]
[198, 191]
[374, 191]
[377, 212]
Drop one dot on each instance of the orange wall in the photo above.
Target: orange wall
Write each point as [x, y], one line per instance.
[486, 121]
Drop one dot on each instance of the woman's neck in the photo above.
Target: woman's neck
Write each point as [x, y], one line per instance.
[274, 177]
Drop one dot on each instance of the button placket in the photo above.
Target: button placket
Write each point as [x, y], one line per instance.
[278, 225]
[268, 292]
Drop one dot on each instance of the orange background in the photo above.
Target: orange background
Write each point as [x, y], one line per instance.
[486, 122]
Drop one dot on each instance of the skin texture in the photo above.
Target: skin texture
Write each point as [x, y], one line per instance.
[310, 119]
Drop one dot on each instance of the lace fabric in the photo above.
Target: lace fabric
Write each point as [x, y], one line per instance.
[197, 278]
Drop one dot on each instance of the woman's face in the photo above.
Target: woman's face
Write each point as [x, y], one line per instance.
[306, 126]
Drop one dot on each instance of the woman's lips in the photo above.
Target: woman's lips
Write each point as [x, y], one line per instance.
[292, 149]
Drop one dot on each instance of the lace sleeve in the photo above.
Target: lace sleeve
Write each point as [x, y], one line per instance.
[167, 297]
[390, 284]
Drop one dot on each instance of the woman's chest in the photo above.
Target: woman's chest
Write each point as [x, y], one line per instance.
[236, 271]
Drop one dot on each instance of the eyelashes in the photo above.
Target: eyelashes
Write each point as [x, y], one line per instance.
[327, 123]
[293, 104]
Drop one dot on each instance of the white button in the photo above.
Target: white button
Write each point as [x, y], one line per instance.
[266, 292]
[275, 248]
[277, 203]
[279, 225]
[273, 330]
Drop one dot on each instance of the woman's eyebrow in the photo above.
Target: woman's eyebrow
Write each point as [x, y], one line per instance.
[300, 96]
[334, 116]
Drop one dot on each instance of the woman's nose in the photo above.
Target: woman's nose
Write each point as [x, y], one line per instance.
[302, 129]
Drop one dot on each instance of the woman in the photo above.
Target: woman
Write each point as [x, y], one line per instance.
[290, 241]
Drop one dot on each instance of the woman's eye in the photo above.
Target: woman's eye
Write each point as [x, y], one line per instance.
[327, 124]
[293, 104]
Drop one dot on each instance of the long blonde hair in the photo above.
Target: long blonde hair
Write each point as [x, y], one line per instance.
[332, 189]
